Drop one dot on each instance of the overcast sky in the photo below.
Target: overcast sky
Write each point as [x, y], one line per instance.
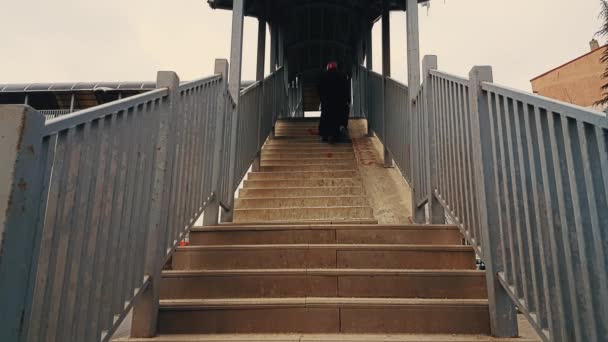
[121, 40]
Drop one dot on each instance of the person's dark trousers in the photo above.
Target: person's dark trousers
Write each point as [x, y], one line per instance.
[344, 115]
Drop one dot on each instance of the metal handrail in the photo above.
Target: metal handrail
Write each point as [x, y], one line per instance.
[526, 180]
[111, 190]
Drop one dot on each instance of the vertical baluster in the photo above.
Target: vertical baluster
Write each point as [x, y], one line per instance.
[133, 274]
[512, 193]
[461, 184]
[558, 280]
[534, 152]
[108, 304]
[579, 227]
[567, 240]
[122, 287]
[594, 157]
[97, 242]
[502, 182]
[80, 214]
[63, 228]
[532, 268]
[443, 190]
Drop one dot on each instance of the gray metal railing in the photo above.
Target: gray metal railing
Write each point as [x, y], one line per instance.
[295, 97]
[387, 107]
[375, 104]
[55, 113]
[97, 201]
[526, 180]
[397, 125]
[261, 104]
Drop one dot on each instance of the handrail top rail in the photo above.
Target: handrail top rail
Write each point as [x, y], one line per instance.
[251, 87]
[373, 73]
[78, 118]
[450, 77]
[258, 83]
[587, 115]
[201, 81]
[402, 85]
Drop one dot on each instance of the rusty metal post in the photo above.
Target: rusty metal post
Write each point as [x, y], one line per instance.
[21, 157]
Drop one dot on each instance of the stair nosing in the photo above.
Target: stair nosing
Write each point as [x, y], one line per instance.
[235, 303]
[307, 187]
[243, 227]
[319, 208]
[343, 247]
[323, 272]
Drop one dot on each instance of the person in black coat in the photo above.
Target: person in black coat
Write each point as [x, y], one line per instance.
[334, 91]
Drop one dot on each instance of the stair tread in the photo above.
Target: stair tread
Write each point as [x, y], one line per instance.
[315, 301]
[322, 271]
[313, 221]
[308, 208]
[327, 338]
[240, 227]
[373, 247]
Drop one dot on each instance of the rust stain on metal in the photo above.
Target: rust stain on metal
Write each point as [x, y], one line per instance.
[20, 131]
[22, 185]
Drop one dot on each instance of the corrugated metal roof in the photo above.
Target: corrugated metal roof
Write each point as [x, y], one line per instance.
[77, 86]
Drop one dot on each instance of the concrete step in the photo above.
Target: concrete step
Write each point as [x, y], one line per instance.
[269, 283]
[297, 214]
[351, 163]
[325, 234]
[271, 155]
[327, 338]
[324, 315]
[300, 183]
[328, 167]
[301, 192]
[323, 256]
[530, 336]
[311, 137]
[285, 141]
[308, 148]
[302, 175]
[294, 132]
[300, 202]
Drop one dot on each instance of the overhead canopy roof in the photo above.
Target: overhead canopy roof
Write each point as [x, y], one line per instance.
[271, 9]
[317, 31]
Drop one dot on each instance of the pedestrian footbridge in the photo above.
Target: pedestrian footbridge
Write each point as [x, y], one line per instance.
[200, 211]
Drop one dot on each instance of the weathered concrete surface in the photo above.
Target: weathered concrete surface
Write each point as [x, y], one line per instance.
[386, 189]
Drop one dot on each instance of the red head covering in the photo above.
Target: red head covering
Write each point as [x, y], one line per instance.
[332, 66]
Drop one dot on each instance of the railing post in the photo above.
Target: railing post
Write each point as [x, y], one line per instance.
[20, 194]
[503, 318]
[211, 215]
[436, 210]
[234, 85]
[145, 312]
[386, 72]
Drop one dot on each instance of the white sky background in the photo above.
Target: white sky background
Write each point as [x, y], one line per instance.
[129, 40]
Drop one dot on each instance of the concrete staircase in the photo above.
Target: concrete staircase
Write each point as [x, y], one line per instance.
[331, 274]
[303, 180]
